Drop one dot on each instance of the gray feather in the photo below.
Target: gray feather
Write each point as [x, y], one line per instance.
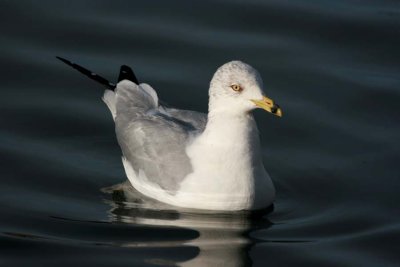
[153, 138]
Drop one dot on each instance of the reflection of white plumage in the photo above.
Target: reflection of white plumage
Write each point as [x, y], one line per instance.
[221, 239]
[190, 159]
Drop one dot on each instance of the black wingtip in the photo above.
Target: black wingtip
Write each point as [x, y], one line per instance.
[88, 73]
[126, 73]
[66, 61]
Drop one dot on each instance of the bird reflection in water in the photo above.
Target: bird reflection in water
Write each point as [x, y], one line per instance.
[222, 239]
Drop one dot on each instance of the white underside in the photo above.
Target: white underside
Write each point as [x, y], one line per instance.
[195, 195]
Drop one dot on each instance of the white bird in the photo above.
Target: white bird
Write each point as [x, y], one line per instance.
[190, 159]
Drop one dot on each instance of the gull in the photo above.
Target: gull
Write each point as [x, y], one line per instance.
[190, 159]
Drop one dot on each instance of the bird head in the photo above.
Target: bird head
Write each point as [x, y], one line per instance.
[238, 87]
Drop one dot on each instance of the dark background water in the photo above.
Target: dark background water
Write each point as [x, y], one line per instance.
[334, 157]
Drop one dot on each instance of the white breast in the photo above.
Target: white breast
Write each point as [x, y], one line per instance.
[228, 171]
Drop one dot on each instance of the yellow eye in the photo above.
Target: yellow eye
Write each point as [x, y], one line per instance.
[236, 87]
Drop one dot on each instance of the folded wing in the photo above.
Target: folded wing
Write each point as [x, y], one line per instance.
[153, 138]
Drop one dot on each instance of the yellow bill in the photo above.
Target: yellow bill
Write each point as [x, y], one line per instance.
[268, 105]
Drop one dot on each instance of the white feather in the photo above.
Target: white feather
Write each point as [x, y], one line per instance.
[109, 99]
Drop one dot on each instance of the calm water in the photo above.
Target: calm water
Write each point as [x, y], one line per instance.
[334, 157]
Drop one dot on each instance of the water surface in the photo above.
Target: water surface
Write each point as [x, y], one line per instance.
[332, 65]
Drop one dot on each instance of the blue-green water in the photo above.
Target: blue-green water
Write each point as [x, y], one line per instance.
[333, 66]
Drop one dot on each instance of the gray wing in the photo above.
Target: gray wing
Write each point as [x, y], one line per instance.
[154, 139]
[196, 119]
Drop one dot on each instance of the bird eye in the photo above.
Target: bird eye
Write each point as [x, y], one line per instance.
[236, 87]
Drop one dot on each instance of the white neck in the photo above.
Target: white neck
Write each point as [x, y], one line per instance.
[231, 130]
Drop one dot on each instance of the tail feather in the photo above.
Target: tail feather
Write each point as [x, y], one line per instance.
[109, 99]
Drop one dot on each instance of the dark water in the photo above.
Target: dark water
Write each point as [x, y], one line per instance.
[334, 157]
